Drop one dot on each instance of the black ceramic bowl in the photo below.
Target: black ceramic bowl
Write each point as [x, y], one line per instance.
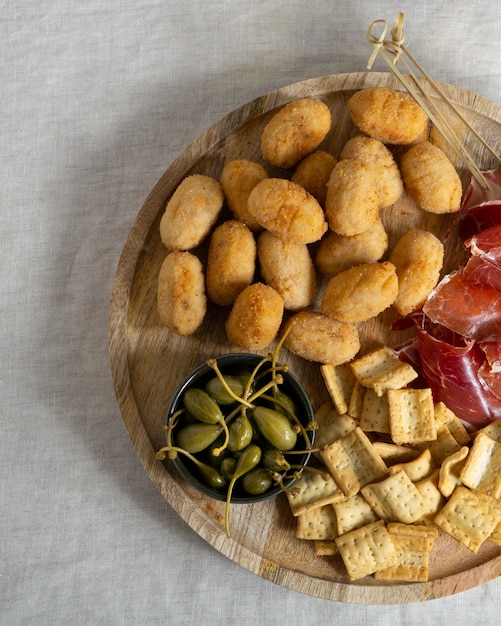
[231, 364]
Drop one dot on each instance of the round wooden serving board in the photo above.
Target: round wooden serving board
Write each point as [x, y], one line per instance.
[148, 361]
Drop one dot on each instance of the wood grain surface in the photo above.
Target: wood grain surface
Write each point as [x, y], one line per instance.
[148, 361]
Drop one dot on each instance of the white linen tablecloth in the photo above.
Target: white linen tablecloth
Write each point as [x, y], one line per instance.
[97, 99]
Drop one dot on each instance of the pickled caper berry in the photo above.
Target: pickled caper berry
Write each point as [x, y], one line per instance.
[257, 481]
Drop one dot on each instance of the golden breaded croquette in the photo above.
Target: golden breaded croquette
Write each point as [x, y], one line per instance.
[238, 179]
[191, 212]
[376, 154]
[231, 262]
[418, 257]
[181, 299]
[337, 253]
[287, 210]
[296, 130]
[352, 199]
[288, 268]
[313, 173]
[389, 115]
[317, 337]
[361, 292]
[255, 317]
[431, 179]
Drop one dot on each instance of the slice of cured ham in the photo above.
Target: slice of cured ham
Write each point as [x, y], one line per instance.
[458, 347]
[456, 370]
[469, 309]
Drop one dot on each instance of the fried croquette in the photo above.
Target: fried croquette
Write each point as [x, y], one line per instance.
[352, 199]
[287, 210]
[296, 130]
[376, 154]
[337, 253]
[238, 179]
[361, 292]
[288, 268]
[191, 212]
[389, 115]
[181, 299]
[255, 317]
[418, 258]
[231, 262]
[431, 179]
[317, 337]
[313, 173]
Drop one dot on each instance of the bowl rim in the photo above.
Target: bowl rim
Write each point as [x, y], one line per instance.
[201, 371]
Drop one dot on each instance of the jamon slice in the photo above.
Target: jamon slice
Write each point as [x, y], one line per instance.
[465, 307]
[481, 271]
[476, 194]
[456, 370]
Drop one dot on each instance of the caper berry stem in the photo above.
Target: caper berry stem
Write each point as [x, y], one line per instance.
[213, 477]
[213, 364]
[278, 379]
[292, 416]
[247, 461]
[169, 428]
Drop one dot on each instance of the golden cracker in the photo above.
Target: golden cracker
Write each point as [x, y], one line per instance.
[339, 381]
[450, 471]
[325, 547]
[331, 425]
[353, 462]
[482, 469]
[353, 513]
[395, 499]
[456, 427]
[413, 545]
[311, 491]
[412, 417]
[374, 416]
[366, 550]
[418, 468]
[469, 517]
[433, 497]
[391, 453]
[382, 370]
[317, 524]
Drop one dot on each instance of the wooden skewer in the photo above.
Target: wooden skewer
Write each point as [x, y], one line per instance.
[393, 51]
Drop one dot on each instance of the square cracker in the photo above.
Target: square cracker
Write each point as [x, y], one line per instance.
[374, 416]
[366, 550]
[450, 470]
[493, 430]
[412, 416]
[428, 488]
[496, 535]
[356, 400]
[382, 370]
[353, 513]
[455, 426]
[325, 547]
[391, 453]
[317, 524]
[396, 499]
[444, 445]
[413, 545]
[339, 380]
[353, 462]
[331, 425]
[418, 468]
[312, 490]
[482, 469]
[469, 517]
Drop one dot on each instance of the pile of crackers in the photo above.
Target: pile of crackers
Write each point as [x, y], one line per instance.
[392, 470]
